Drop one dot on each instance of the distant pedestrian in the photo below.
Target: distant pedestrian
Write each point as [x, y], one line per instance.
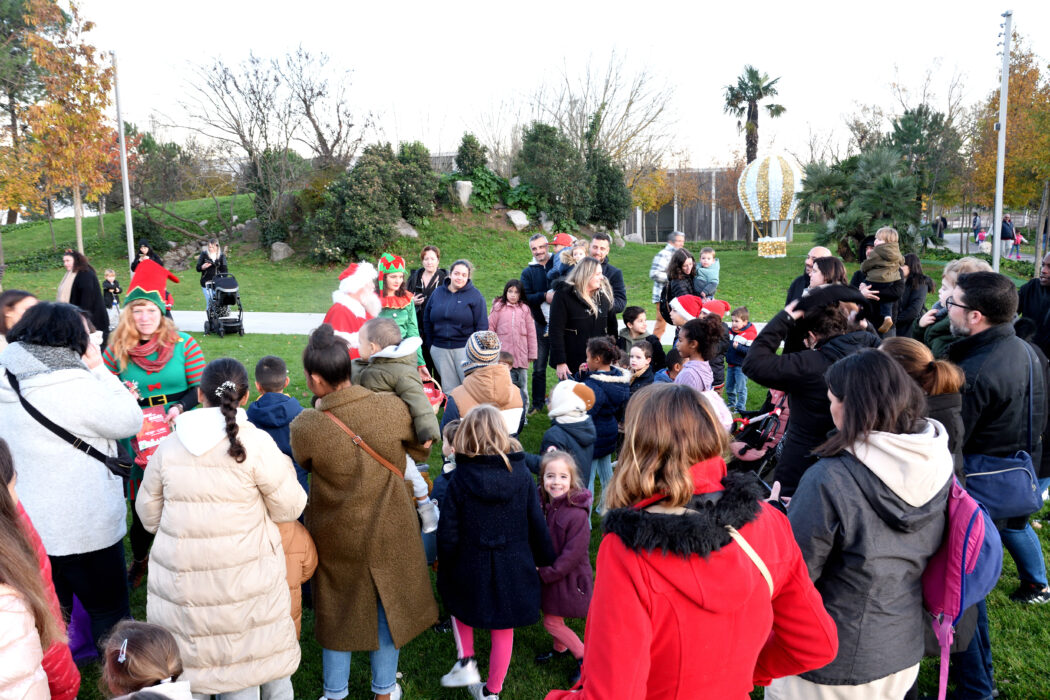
[658, 274]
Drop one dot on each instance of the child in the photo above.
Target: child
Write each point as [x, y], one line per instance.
[698, 339]
[641, 359]
[388, 363]
[511, 320]
[567, 583]
[612, 388]
[882, 268]
[706, 281]
[635, 328]
[300, 562]
[486, 380]
[674, 366]
[111, 290]
[566, 260]
[140, 656]
[572, 428]
[213, 493]
[490, 544]
[274, 410]
[1016, 247]
[741, 333]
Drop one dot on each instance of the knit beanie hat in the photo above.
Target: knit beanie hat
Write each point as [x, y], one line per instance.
[688, 306]
[390, 264]
[570, 401]
[482, 349]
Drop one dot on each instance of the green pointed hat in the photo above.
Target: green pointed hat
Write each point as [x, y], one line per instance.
[150, 283]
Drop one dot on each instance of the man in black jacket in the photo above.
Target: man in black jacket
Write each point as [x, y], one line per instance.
[799, 284]
[801, 376]
[600, 245]
[538, 296]
[1034, 304]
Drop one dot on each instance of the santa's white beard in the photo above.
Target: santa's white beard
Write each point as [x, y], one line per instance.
[370, 300]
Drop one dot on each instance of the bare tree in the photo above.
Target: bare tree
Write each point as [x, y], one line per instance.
[865, 127]
[500, 132]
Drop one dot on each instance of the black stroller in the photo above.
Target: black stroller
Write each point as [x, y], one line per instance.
[756, 437]
[221, 317]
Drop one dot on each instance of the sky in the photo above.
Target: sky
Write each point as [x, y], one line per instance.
[430, 71]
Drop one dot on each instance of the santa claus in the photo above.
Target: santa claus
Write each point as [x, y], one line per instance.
[354, 303]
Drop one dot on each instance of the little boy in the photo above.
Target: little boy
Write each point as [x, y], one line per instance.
[111, 290]
[706, 282]
[635, 329]
[882, 268]
[572, 428]
[274, 410]
[674, 366]
[389, 364]
[741, 333]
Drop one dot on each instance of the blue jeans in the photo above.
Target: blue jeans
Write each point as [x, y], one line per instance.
[520, 376]
[539, 367]
[736, 388]
[1023, 545]
[208, 292]
[602, 466]
[971, 670]
[336, 665]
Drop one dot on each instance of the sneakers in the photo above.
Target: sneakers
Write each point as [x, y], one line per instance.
[464, 673]
[1031, 594]
[547, 656]
[574, 677]
[428, 513]
[442, 626]
[136, 572]
[478, 692]
[887, 324]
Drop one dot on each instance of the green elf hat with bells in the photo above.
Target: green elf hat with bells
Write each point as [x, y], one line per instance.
[150, 283]
[390, 264]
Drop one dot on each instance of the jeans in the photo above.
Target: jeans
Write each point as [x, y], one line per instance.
[971, 670]
[208, 292]
[602, 466]
[1023, 545]
[280, 689]
[539, 367]
[449, 365]
[519, 375]
[736, 388]
[336, 665]
[100, 580]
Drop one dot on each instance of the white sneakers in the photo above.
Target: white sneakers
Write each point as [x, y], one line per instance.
[464, 673]
[477, 691]
[428, 513]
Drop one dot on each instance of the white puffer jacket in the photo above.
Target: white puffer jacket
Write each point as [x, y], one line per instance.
[21, 675]
[217, 569]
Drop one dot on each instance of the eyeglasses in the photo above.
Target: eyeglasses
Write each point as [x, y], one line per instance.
[951, 302]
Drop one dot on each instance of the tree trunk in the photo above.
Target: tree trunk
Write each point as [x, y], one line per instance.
[751, 131]
[12, 214]
[51, 220]
[1044, 205]
[101, 213]
[78, 216]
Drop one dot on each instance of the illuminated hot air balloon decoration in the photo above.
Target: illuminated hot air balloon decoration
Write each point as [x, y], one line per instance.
[768, 189]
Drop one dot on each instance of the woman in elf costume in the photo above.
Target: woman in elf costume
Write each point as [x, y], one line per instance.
[397, 303]
[160, 364]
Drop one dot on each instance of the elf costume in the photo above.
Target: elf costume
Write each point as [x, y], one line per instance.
[350, 307]
[399, 308]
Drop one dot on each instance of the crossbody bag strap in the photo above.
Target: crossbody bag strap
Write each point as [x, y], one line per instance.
[752, 555]
[1031, 393]
[363, 445]
[54, 427]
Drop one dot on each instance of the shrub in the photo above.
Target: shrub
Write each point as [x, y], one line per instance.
[489, 188]
[471, 154]
[557, 174]
[610, 198]
[522, 197]
[417, 183]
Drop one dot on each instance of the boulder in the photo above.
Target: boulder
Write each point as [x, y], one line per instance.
[181, 257]
[280, 251]
[546, 222]
[514, 181]
[634, 238]
[250, 231]
[405, 229]
[464, 188]
[618, 239]
[518, 219]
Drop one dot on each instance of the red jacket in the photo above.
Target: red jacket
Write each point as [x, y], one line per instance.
[63, 678]
[680, 611]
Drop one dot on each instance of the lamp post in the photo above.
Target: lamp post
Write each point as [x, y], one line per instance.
[1000, 126]
[123, 164]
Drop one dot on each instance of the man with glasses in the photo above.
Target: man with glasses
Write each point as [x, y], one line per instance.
[799, 284]
[538, 296]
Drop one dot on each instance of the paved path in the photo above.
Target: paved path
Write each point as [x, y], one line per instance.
[951, 241]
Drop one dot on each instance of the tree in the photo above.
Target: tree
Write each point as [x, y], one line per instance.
[742, 101]
[69, 128]
[417, 184]
[930, 147]
[610, 198]
[555, 170]
[471, 154]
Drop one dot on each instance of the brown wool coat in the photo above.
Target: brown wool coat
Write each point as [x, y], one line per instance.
[362, 521]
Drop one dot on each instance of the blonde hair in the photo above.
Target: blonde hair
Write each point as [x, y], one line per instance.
[150, 653]
[581, 275]
[575, 482]
[126, 335]
[109, 271]
[669, 428]
[963, 266]
[887, 234]
[483, 432]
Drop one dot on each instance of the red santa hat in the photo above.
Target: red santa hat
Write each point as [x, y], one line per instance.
[717, 307]
[357, 276]
[688, 306]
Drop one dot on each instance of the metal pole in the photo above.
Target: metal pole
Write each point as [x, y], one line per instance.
[1000, 160]
[123, 164]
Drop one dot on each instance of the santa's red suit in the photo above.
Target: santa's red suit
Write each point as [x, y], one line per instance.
[353, 303]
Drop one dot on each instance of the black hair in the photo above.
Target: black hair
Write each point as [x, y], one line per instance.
[8, 299]
[672, 358]
[827, 322]
[706, 331]
[602, 236]
[994, 295]
[54, 324]
[631, 314]
[327, 355]
[79, 261]
[270, 373]
[603, 350]
[674, 268]
[832, 268]
[916, 277]
[87, 321]
[645, 346]
[513, 284]
[224, 383]
[1025, 328]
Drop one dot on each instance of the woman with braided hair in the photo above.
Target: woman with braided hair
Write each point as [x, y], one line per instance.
[212, 494]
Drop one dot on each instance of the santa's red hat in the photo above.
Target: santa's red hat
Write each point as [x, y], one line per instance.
[717, 307]
[688, 306]
[357, 276]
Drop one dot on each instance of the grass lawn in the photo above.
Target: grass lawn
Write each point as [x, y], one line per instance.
[1021, 634]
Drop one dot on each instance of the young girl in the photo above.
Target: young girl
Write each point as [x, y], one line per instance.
[568, 581]
[491, 537]
[612, 388]
[139, 656]
[698, 340]
[511, 320]
[213, 494]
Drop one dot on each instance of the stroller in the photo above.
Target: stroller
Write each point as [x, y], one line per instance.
[221, 318]
[756, 437]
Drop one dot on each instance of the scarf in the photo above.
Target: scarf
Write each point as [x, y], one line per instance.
[65, 287]
[140, 353]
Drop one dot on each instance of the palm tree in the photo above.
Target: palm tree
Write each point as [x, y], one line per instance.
[742, 100]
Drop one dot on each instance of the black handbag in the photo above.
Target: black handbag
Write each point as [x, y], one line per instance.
[120, 465]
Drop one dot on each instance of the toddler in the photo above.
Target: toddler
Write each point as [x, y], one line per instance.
[274, 410]
[566, 260]
[882, 268]
[388, 363]
[635, 328]
[741, 333]
[111, 290]
[706, 282]
[567, 583]
[140, 656]
[572, 428]
[674, 366]
[612, 389]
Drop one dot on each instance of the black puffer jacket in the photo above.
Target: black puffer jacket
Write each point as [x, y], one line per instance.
[801, 375]
[946, 409]
[572, 325]
[575, 438]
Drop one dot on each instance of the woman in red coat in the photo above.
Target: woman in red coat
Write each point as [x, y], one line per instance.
[701, 591]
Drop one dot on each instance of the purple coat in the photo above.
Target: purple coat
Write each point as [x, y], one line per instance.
[567, 583]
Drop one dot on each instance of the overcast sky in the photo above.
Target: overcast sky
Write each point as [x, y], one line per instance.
[432, 70]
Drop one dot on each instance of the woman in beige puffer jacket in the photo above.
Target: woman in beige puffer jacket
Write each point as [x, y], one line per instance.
[213, 494]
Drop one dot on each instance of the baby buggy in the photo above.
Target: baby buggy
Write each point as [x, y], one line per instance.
[757, 435]
[222, 317]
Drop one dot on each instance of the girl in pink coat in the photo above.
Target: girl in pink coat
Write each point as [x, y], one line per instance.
[511, 319]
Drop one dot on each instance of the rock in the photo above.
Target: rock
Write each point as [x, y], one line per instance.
[634, 238]
[405, 229]
[499, 206]
[463, 190]
[280, 251]
[514, 181]
[202, 223]
[234, 218]
[250, 232]
[181, 257]
[518, 219]
[171, 244]
[545, 222]
[618, 239]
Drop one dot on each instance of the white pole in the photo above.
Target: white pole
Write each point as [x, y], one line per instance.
[714, 209]
[123, 164]
[1000, 161]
